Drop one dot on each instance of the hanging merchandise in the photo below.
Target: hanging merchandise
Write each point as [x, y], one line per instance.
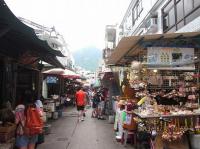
[173, 131]
[121, 76]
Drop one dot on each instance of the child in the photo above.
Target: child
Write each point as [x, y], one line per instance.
[120, 118]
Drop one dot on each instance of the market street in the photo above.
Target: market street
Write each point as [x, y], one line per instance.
[66, 133]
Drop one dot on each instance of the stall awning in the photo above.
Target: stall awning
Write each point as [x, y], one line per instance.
[129, 47]
[17, 38]
[65, 73]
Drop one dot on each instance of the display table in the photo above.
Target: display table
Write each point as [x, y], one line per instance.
[142, 116]
[171, 124]
[52, 107]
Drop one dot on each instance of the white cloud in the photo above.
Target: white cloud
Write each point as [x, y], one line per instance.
[82, 22]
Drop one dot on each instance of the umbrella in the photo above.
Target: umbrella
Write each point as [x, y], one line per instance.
[65, 73]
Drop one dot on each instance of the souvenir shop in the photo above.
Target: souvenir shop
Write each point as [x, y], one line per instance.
[160, 90]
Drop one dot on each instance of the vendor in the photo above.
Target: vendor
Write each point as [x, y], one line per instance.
[120, 119]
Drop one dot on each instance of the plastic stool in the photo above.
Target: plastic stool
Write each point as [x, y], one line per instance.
[126, 133]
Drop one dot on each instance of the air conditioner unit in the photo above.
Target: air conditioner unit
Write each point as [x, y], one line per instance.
[153, 21]
[152, 25]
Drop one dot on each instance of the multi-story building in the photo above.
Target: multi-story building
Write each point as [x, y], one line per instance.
[160, 16]
[110, 44]
[104, 72]
[54, 40]
[110, 40]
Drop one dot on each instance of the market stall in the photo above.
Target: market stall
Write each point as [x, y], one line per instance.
[59, 86]
[21, 53]
[161, 71]
[56, 80]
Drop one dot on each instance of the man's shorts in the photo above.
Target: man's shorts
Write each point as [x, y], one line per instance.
[101, 105]
[24, 141]
[80, 108]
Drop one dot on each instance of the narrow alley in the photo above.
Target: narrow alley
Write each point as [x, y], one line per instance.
[132, 66]
[67, 133]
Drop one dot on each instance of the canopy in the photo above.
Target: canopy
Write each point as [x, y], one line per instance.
[17, 38]
[65, 73]
[129, 47]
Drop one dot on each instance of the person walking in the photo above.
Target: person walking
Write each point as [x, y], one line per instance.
[95, 102]
[80, 103]
[28, 121]
[101, 105]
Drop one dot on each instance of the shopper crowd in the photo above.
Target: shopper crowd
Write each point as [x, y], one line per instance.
[91, 97]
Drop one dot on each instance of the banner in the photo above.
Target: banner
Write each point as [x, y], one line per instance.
[170, 58]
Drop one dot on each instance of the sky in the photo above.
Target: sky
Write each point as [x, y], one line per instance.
[81, 22]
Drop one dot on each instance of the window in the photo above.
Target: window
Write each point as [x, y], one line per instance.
[168, 15]
[133, 17]
[180, 25]
[128, 21]
[192, 16]
[139, 7]
[179, 9]
[188, 6]
[172, 30]
[169, 6]
[165, 22]
[169, 19]
[171, 16]
[177, 13]
[196, 3]
[136, 11]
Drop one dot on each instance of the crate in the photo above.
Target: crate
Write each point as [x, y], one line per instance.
[7, 132]
[7, 128]
[4, 137]
[8, 145]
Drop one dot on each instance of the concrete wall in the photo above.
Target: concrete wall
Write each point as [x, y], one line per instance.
[149, 8]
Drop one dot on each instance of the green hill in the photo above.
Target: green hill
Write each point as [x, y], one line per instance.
[88, 58]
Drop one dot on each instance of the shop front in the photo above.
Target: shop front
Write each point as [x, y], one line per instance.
[58, 81]
[161, 73]
[21, 55]
[59, 87]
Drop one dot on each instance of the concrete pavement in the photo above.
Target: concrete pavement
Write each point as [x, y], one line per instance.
[67, 133]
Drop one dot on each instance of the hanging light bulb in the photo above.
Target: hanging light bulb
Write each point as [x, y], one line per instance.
[155, 70]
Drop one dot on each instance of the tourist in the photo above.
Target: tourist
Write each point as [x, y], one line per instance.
[25, 140]
[95, 102]
[80, 103]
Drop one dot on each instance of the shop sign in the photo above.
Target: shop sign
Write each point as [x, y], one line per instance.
[170, 58]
